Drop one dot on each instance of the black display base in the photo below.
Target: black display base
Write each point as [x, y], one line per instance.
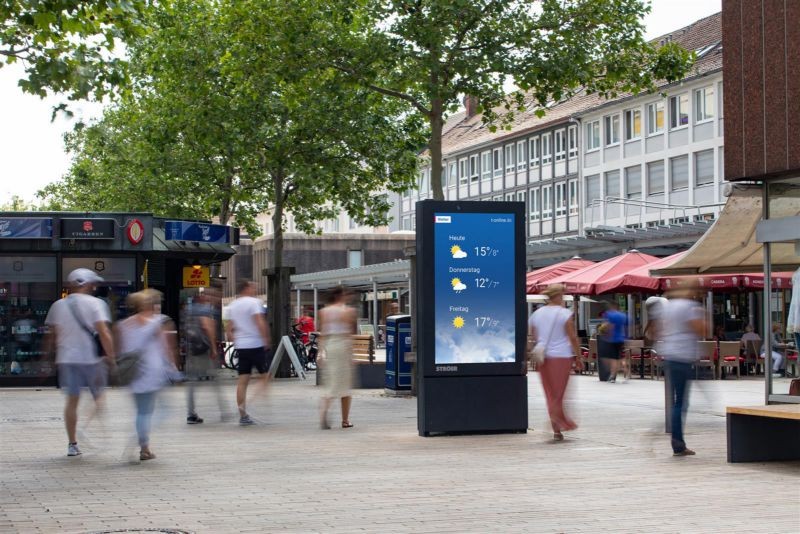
[472, 405]
[754, 438]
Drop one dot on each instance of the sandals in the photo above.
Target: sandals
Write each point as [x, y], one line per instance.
[146, 456]
[347, 424]
[558, 436]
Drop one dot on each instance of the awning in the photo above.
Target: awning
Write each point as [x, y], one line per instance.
[533, 278]
[711, 282]
[638, 280]
[584, 281]
[729, 246]
[756, 280]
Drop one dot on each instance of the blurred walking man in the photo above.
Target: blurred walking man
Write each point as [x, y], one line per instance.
[75, 322]
[202, 360]
[682, 325]
[247, 327]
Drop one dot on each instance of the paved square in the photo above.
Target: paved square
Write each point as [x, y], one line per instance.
[615, 474]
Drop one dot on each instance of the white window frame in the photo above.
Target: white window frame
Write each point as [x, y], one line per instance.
[510, 197]
[606, 193]
[510, 160]
[522, 155]
[611, 130]
[497, 162]
[573, 198]
[463, 171]
[522, 196]
[533, 151]
[547, 155]
[703, 99]
[630, 120]
[452, 177]
[534, 206]
[652, 127]
[672, 161]
[572, 142]
[547, 202]
[423, 182]
[650, 192]
[676, 109]
[696, 174]
[625, 181]
[560, 137]
[560, 200]
[593, 135]
[486, 165]
[593, 177]
[474, 171]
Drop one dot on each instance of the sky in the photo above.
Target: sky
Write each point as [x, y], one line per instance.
[32, 147]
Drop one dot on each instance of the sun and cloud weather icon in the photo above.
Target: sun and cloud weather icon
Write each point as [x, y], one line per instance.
[458, 285]
[457, 253]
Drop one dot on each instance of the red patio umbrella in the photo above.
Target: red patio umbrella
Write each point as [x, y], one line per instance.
[552, 271]
[638, 280]
[584, 281]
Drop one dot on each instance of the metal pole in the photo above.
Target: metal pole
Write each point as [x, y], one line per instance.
[316, 304]
[709, 315]
[375, 311]
[767, 304]
[297, 307]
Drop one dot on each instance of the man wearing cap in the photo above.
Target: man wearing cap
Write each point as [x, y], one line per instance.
[74, 322]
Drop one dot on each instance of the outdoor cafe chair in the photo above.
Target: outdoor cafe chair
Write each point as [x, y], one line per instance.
[657, 362]
[589, 358]
[705, 357]
[729, 356]
[634, 356]
[752, 357]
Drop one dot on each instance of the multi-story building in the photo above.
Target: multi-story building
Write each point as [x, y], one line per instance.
[593, 165]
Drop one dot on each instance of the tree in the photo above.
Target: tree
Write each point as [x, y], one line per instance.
[17, 203]
[431, 52]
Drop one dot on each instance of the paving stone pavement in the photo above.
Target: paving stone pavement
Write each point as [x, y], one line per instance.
[615, 474]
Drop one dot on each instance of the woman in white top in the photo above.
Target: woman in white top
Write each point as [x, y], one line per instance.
[337, 322]
[553, 326]
[146, 333]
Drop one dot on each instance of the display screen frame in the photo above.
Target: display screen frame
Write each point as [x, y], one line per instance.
[426, 287]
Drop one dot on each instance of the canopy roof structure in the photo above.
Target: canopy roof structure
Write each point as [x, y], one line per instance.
[539, 276]
[730, 244]
[585, 281]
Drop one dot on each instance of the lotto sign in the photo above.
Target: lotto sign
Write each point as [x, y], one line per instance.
[196, 276]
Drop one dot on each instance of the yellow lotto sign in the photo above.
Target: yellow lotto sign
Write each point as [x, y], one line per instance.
[196, 276]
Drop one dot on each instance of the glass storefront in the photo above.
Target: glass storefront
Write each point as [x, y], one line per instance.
[27, 288]
[119, 275]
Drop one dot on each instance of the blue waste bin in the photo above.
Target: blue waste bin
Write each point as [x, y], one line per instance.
[398, 343]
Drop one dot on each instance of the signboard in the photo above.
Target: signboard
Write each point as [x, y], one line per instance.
[26, 228]
[134, 231]
[200, 232]
[114, 270]
[474, 288]
[88, 228]
[196, 276]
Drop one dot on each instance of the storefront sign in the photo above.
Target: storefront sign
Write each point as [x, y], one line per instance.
[135, 231]
[196, 276]
[88, 228]
[200, 232]
[26, 228]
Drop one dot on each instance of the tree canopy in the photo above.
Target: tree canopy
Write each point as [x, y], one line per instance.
[430, 53]
[68, 46]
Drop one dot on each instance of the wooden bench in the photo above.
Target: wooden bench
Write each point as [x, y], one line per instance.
[363, 348]
[763, 433]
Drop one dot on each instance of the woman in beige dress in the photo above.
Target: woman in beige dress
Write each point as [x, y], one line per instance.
[337, 322]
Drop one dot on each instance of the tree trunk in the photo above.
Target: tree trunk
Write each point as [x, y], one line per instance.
[277, 221]
[278, 280]
[435, 145]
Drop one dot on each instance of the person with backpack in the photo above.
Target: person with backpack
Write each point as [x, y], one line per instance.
[78, 329]
[143, 338]
[201, 355]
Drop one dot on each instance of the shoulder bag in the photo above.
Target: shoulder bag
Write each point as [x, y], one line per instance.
[93, 333]
[538, 352]
[128, 363]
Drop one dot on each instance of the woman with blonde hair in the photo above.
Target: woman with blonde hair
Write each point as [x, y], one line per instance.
[337, 323]
[552, 326]
[146, 334]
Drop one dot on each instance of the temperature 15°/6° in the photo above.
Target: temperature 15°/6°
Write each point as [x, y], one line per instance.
[486, 251]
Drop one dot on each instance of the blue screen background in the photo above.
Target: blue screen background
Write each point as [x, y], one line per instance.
[486, 307]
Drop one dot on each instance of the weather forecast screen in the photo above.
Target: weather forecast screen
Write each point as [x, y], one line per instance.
[474, 288]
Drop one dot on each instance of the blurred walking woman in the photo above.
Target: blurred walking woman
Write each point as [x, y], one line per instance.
[552, 325]
[337, 323]
[145, 332]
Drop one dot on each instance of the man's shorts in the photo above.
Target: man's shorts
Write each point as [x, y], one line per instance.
[260, 359]
[611, 351]
[73, 377]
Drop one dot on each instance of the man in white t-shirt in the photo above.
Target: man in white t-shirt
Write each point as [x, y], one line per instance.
[247, 327]
[73, 322]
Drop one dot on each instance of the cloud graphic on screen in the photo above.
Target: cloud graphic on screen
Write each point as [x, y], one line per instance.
[474, 347]
[459, 287]
[460, 254]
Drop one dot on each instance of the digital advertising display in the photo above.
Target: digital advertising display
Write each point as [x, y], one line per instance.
[474, 288]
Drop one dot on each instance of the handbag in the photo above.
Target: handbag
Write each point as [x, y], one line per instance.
[128, 363]
[538, 352]
[94, 335]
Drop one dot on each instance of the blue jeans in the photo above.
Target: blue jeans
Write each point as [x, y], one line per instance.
[145, 404]
[678, 374]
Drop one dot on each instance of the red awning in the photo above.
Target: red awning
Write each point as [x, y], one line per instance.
[539, 276]
[584, 281]
[756, 280]
[709, 282]
[638, 280]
